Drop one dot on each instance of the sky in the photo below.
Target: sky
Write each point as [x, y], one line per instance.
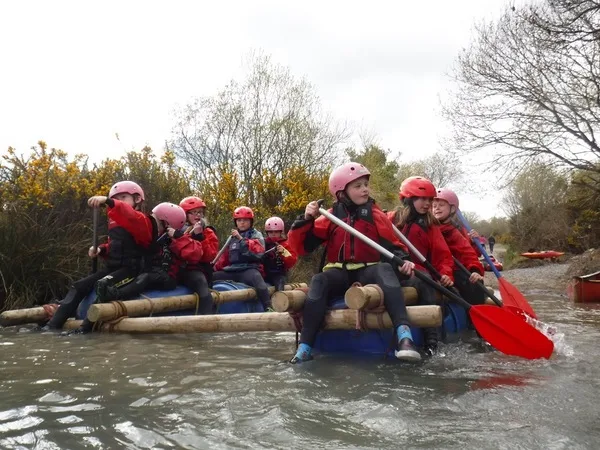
[78, 74]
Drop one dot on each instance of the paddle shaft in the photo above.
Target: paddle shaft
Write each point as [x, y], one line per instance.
[479, 284]
[385, 252]
[95, 214]
[221, 251]
[478, 244]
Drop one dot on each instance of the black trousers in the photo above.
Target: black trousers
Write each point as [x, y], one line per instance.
[81, 288]
[251, 277]
[469, 291]
[276, 279]
[197, 282]
[332, 283]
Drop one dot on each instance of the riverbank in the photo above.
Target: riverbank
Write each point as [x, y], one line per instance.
[546, 274]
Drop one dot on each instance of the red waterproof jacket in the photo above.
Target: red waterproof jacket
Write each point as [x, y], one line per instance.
[431, 245]
[460, 248]
[342, 247]
[194, 251]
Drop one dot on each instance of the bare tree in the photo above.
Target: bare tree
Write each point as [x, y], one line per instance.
[443, 169]
[528, 88]
[270, 121]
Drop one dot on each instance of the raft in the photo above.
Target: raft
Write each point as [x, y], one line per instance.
[361, 341]
[585, 289]
[543, 255]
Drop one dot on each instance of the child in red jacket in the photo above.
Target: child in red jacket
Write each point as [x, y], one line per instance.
[242, 259]
[349, 259]
[279, 256]
[129, 237]
[194, 247]
[445, 205]
[159, 271]
[414, 220]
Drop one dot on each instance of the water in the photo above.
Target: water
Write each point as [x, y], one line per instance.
[237, 391]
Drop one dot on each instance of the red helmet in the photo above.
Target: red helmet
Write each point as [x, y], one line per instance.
[448, 195]
[243, 212]
[126, 187]
[172, 214]
[190, 203]
[416, 187]
[344, 174]
[274, 224]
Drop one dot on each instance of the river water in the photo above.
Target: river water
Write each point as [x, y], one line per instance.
[237, 391]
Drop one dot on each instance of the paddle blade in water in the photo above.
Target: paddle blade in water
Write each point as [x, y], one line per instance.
[511, 296]
[509, 334]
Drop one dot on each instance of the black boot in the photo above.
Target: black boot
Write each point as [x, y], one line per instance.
[68, 307]
[430, 341]
[105, 290]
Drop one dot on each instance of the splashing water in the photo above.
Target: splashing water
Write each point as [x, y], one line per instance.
[551, 332]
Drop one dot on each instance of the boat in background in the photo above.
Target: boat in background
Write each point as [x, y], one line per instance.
[497, 264]
[552, 254]
[585, 289]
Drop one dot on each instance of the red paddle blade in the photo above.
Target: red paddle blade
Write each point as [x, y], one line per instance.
[509, 334]
[511, 296]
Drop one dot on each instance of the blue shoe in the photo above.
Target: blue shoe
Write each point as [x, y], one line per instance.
[302, 354]
[407, 351]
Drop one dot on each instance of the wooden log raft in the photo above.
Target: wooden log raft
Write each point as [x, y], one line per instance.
[134, 308]
[341, 319]
[294, 300]
[356, 297]
[27, 315]
[146, 307]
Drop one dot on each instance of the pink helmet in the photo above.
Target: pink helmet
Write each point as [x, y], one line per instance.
[243, 212]
[344, 174]
[173, 214]
[416, 187]
[448, 195]
[190, 203]
[126, 187]
[274, 224]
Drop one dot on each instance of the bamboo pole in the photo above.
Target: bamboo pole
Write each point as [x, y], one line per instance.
[146, 307]
[341, 319]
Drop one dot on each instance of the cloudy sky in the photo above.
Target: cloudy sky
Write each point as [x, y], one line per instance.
[76, 73]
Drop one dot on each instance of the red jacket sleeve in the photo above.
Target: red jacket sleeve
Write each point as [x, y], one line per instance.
[104, 249]
[187, 249]
[306, 235]
[461, 249]
[290, 260]
[223, 261]
[210, 245]
[135, 222]
[465, 233]
[441, 258]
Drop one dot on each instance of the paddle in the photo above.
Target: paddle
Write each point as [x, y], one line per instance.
[221, 251]
[511, 296]
[95, 213]
[433, 270]
[490, 321]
